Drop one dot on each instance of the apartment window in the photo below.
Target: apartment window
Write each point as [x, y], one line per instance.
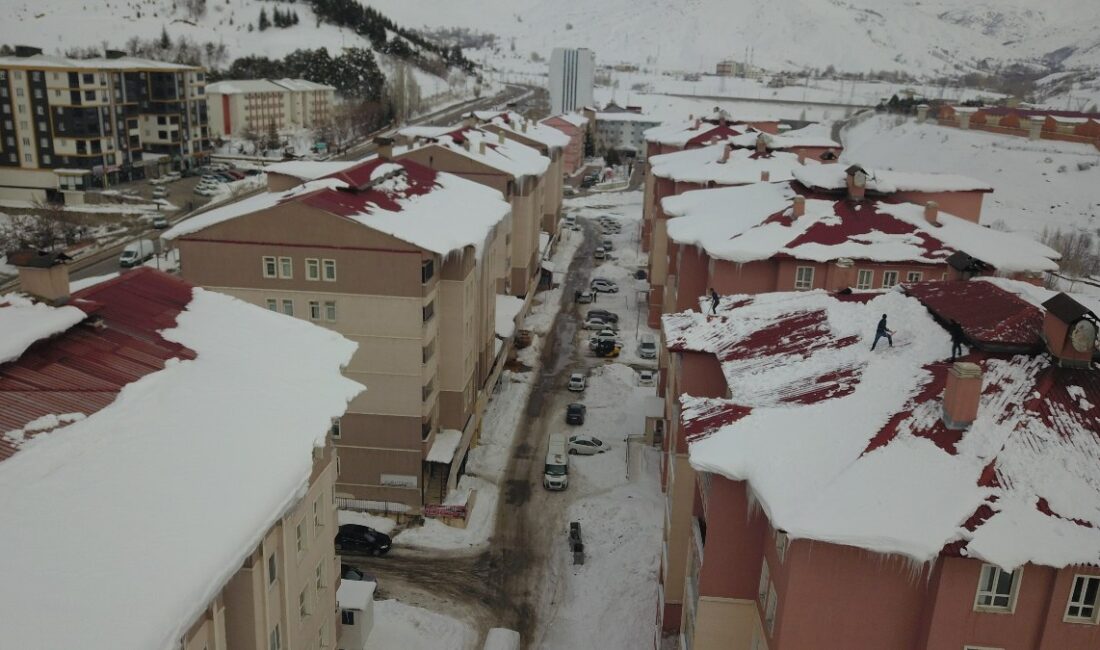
[1082, 600]
[89, 95]
[43, 142]
[321, 643]
[781, 542]
[864, 279]
[804, 277]
[330, 311]
[330, 270]
[274, 642]
[318, 519]
[428, 352]
[313, 269]
[334, 430]
[27, 158]
[303, 608]
[300, 538]
[347, 617]
[427, 270]
[429, 311]
[272, 569]
[18, 92]
[769, 611]
[889, 279]
[288, 307]
[314, 310]
[271, 270]
[89, 78]
[765, 579]
[319, 575]
[997, 588]
[273, 304]
[286, 268]
[914, 276]
[46, 160]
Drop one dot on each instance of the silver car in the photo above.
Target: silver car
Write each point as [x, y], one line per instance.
[586, 445]
[577, 382]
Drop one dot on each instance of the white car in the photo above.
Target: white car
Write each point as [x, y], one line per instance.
[600, 254]
[586, 445]
[595, 323]
[647, 377]
[647, 347]
[577, 382]
[604, 286]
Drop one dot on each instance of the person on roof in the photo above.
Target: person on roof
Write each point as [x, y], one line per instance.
[883, 332]
[957, 338]
[713, 302]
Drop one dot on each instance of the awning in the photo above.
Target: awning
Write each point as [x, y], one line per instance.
[443, 449]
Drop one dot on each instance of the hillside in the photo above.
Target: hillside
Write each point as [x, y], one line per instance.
[925, 38]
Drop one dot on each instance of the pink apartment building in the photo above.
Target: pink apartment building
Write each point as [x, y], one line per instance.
[1070, 126]
[824, 495]
[575, 127]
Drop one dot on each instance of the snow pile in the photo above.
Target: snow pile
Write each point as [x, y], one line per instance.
[500, 638]
[437, 535]
[498, 152]
[397, 625]
[508, 307]
[355, 594]
[24, 321]
[740, 167]
[243, 392]
[381, 524]
[834, 177]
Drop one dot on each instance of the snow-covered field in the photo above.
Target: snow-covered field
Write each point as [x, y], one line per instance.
[398, 626]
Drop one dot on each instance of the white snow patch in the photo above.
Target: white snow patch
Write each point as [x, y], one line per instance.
[24, 321]
[397, 625]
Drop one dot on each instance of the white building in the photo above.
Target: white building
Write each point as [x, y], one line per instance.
[257, 104]
[621, 129]
[571, 78]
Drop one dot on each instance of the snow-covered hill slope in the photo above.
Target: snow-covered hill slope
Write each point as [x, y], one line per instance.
[924, 37]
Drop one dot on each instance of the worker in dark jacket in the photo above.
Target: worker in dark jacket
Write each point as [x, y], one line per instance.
[883, 332]
[713, 301]
[957, 338]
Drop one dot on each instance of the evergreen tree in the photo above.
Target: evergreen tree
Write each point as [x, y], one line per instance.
[165, 41]
[264, 22]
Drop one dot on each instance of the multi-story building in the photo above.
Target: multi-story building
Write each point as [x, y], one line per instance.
[176, 441]
[575, 127]
[572, 75]
[622, 130]
[67, 125]
[822, 494]
[397, 257]
[260, 105]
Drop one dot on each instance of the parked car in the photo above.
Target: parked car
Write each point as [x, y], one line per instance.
[640, 274]
[218, 167]
[586, 445]
[603, 335]
[568, 191]
[647, 377]
[252, 172]
[603, 314]
[604, 286]
[577, 382]
[224, 177]
[583, 297]
[348, 572]
[555, 471]
[206, 190]
[160, 192]
[596, 323]
[647, 347]
[574, 413]
[158, 181]
[136, 252]
[160, 223]
[599, 253]
[607, 245]
[173, 176]
[235, 174]
[209, 178]
[588, 182]
[607, 348]
[362, 539]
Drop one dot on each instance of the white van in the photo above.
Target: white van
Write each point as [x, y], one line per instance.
[555, 474]
[136, 252]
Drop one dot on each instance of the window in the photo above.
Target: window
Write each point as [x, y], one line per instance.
[330, 311]
[427, 270]
[1082, 600]
[765, 579]
[274, 643]
[270, 269]
[889, 279]
[286, 268]
[273, 304]
[314, 310]
[300, 538]
[769, 611]
[804, 277]
[318, 518]
[313, 269]
[319, 575]
[288, 307]
[334, 430]
[272, 569]
[330, 270]
[89, 95]
[321, 632]
[997, 588]
[303, 608]
[46, 160]
[27, 158]
[865, 279]
[914, 276]
[347, 617]
[428, 311]
[781, 542]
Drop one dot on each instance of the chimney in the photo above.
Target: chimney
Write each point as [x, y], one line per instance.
[761, 144]
[932, 213]
[801, 159]
[765, 176]
[726, 153]
[500, 137]
[962, 395]
[43, 274]
[857, 182]
[481, 147]
[469, 146]
[798, 207]
[722, 120]
[385, 147]
[469, 120]
[698, 123]
[524, 126]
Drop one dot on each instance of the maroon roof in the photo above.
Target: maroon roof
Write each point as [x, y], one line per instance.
[714, 132]
[83, 369]
[989, 316]
[362, 197]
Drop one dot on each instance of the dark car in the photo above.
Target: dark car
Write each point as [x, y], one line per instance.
[604, 315]
[348, 572]
[224, 176]
[251, 172]
[574, 413]
[234, 173]
[362, 539]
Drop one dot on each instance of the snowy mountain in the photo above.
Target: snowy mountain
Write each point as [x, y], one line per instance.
[924, 37]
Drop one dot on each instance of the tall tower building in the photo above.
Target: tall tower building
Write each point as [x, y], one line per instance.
[571, 74]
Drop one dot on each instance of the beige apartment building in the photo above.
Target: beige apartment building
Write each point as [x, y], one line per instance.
[398, 258]
[259, 105]
[520, 173]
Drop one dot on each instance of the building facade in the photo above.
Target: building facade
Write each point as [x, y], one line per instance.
[572, 75]
[259, 106]
[575, 127]
[67, 125]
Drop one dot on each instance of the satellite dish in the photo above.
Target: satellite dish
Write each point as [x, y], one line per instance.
[1083, 336]
[860, 179]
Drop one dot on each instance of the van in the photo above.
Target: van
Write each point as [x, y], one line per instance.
[136, 252]
[555, 473]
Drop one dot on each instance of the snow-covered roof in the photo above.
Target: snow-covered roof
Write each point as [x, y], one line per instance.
[302, 85]
[512, 121]
[501, 153]
[436, 211]
[24, 321]
[243, 86]
[355, 594]
[681, 134]
[627, 116]
[49, 61]
[142, 404]
[443, 449]
[741, 167]
[842, 444]
[884, 181]
[813, 135]
[576, 119]
[309, 170]
[506, 310]
[755, 222]
[1038, 295]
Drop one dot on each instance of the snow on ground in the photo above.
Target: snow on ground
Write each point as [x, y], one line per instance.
[545, 306]
[1036, 184]
[404, 627]
[381, 524]
[437, 535]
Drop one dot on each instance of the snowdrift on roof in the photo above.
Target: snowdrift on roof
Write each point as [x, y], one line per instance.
[24, 321]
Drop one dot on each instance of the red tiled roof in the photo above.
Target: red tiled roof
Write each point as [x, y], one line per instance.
[990, 316]
[715, 132]
[83, 369]
[419, 180]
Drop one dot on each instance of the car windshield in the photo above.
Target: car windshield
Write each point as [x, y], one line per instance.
[555, 470]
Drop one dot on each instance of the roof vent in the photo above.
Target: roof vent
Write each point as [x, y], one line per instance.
[857, 182]
[932, 213]
[962, 395]
[798, 207]
[725, 154]
[385, 147]
[1070, 331]
[761, 144]
[500, 137]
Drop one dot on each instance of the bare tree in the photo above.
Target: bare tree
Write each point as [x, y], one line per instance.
[52, 228]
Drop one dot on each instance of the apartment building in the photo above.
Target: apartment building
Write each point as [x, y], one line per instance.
[67, 125]
[824, 495]
[572, 75]
[575, 127]
[259, 105]
[548, 141]
[622, 129]
[517, 171]
[398, 258]
[175, 440]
